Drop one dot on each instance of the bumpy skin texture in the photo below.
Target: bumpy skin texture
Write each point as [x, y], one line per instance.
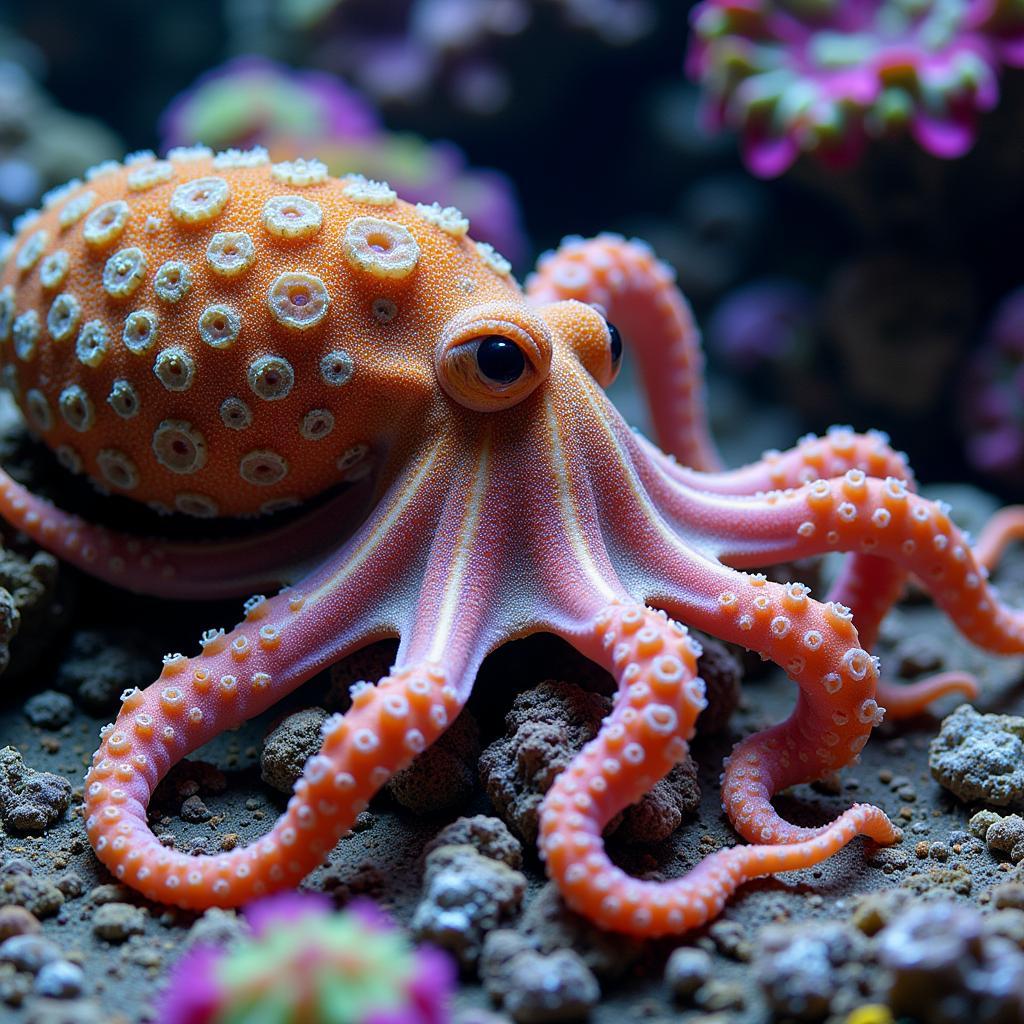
[502, 495]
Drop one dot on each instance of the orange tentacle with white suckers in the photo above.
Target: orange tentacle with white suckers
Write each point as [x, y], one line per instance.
[660, 697]
[213, 334]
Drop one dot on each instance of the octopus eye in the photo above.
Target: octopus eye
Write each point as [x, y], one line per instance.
[491, 357]
[614, 345]
[500, 360]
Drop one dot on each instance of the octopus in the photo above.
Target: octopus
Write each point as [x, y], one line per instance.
[220, 336]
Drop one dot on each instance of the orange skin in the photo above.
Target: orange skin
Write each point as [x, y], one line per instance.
[485, 507]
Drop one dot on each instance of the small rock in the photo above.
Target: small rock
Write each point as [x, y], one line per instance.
[28, 952]
[536, 988]
[49, 709]
[980, 757]
[60, 980]
[490, 836]
[101, 664]
[16, 920]
[115, 922]
[38, 895]
[549, 925]
[292, 742]
[545, 989]
[466, 895]
[981, 822]
[221, 928]
[687, 969]
[193, 809]
[30, 801]
[800, 967]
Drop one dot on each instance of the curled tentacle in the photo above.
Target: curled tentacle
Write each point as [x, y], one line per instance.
[659, 699]
[284, 641]
[175, 569]
[638, 293]
[819, 648]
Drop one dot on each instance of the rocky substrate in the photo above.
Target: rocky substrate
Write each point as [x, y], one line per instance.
[929, 930]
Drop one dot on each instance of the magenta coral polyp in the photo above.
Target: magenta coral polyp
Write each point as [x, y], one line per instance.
[827, 78]
[305, 964]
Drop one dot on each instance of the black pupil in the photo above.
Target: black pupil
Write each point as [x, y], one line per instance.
[500, 360]
[615, 342]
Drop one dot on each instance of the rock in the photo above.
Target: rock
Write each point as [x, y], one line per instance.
[30, 801]
[60, 980]
[489, 836]
[193, 809]
[116, 922]
[800, 968]
[28, 952]
[544, 989]
[101, 664]
[687, 969]
[369, 664]
[981, 822]
[944, 968]
[546, 727]
[49, 709]
[466, 895]
[980, 757]
[1007, 836]
[536, 988]
[444, 775]
[221, 928]
[28, 588]
[292, 742]
[37, 895]
[16, 920]
[661, 811]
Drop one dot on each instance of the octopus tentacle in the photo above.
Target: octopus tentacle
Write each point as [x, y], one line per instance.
[638, 293]
[817, 644]
[867, 584]
[659, 699]
[283, 641]
[1003, 529]
[161, 568]
[855, 512]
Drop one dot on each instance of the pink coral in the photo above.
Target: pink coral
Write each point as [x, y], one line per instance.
[825, 78]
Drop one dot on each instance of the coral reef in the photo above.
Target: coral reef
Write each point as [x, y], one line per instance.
[305, 963]
[826, 79]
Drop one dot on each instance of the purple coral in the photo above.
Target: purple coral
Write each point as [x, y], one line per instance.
[994, 406]
[825, 78]
[254, 101]
[307, 963]
[765, 322]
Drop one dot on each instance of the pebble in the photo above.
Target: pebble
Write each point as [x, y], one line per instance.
[49, 709]
[60, 980]
[688, 968]
[116, 922]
